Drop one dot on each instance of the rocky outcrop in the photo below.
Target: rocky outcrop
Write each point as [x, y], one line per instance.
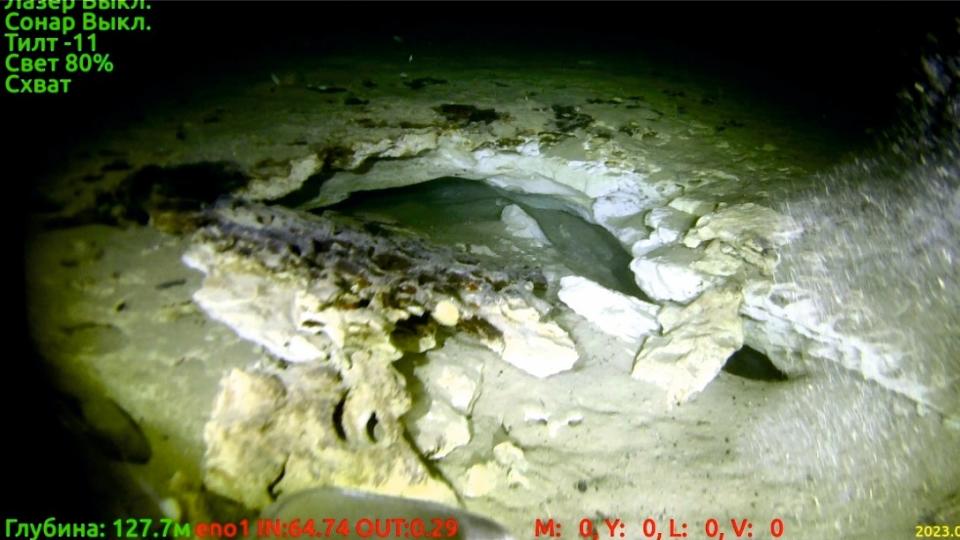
[624, 317]
[322, 287]
[272, 433]
[453, 385]
[341, 300]
[696, 341]
[705, 268]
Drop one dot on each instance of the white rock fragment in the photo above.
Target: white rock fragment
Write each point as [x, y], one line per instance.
[480, 249]
[407, 145]
[640, 248]
[528, 343]
[667, 273]
[530, 148]
[481, 479]
[601, 179]
[457, 156]
[745, 225]
[720, 260]
[440, 431]
[257, 307]
[668, 223]
[692, 205]
[521, 225]
[626, 318]
[452, 381]
[622, 214]
[510, 455]
[246, 396]
[446, 313]
[511, 458]
[696, 342]
[619, 204]
[747, 231]
[668, 226]
[278, 186]
[412, 144]
[458, 385]
[453, 374]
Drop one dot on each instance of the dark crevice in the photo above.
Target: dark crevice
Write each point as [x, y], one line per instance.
[307, 191]
[155, 194]
[750, 363]
[272, 487]
[569, 118]
[338, 418]
[366, 165]
[462, 115]
[332, 165]
[422, 82]
[480, 328]
[180, 188]
[372, 427]
[407, 366]
[431, 466]
[334, 158]
[408, 332]
[471, 202]
[170, 284]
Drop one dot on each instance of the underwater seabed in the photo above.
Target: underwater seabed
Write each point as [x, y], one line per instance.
[505, 290]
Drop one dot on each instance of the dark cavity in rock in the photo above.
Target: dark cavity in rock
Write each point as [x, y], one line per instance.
[467, 114]
[441, 209]
[107, 426]
[569, 118]
[417, 84]
[354, 100]
[752, 364]
[159, 193]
